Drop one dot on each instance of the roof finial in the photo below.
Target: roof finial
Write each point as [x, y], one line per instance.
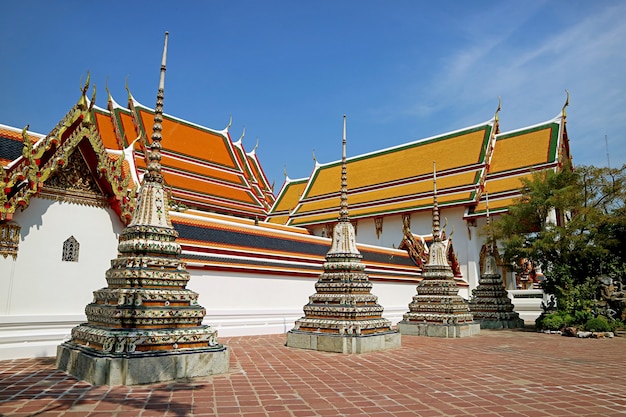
[565, 105]
[436, 225]
[154, 157]
[85, 86]
[497, 116]
[230, 123]
[343, 212]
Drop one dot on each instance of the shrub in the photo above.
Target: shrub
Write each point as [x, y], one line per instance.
[582, 316]
[598, 324]
[553, 321]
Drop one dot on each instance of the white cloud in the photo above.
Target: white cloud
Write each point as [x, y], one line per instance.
[586, 57]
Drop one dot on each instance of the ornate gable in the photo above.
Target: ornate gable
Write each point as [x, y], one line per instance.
[74, 182]
[40, 161]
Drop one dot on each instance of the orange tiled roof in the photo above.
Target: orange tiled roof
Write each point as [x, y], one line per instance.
[393, 180]
[203, 166]
[517, 154]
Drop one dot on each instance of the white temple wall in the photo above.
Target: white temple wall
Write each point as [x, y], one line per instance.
[42, 297]
[42, 282]
[239, 304]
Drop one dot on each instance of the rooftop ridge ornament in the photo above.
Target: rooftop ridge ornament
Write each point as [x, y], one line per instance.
[496, 116]
[563, 113]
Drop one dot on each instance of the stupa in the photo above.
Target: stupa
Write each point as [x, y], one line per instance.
[490, 304]
[343, 316]
[145, 326]
[438, 310]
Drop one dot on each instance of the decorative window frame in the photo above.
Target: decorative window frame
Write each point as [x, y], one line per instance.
[71, 249]
[378, 223]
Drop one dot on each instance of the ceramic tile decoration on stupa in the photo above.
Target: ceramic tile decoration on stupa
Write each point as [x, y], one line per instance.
[438, 310]
[343, 316]
[490, 303]
[145, 326]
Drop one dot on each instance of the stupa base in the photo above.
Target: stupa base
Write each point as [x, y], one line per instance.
[500, 324]
[138, 368]
[439, 330]
[343, 343]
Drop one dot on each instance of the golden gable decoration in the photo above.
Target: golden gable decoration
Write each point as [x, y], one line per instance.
[40, 160]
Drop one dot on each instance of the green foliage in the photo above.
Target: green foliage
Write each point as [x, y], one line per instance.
[552, 321]
[582, 316]
[573, 224]
[597, 324]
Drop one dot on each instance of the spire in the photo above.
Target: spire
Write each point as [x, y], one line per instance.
[436, 225]
[343, 213]
[491, 242]
[154, 155]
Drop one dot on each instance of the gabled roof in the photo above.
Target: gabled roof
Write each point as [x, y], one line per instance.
[517, 155]
[41, 157]
[216, 242]
[287, 199]
[394, 180]
[203, 166]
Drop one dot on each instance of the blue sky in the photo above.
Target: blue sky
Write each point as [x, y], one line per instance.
[287, 71]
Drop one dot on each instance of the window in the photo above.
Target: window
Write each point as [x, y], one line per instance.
[70, 249]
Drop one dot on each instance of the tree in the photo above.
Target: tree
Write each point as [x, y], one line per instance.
[572, 223]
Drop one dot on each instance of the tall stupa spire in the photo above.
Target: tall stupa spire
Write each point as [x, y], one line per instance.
[343, 316]
[436, 222]
[154, 154]
[343, 213]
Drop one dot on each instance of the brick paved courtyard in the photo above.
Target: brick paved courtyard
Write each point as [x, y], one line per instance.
[499, 373]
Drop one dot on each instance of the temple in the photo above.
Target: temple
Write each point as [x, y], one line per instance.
[66, 197]
[343, 316]
[392, 197]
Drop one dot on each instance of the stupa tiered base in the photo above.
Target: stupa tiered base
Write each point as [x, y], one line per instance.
[98, 368]
[346, 343]
[439, 330]
[437, 310]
